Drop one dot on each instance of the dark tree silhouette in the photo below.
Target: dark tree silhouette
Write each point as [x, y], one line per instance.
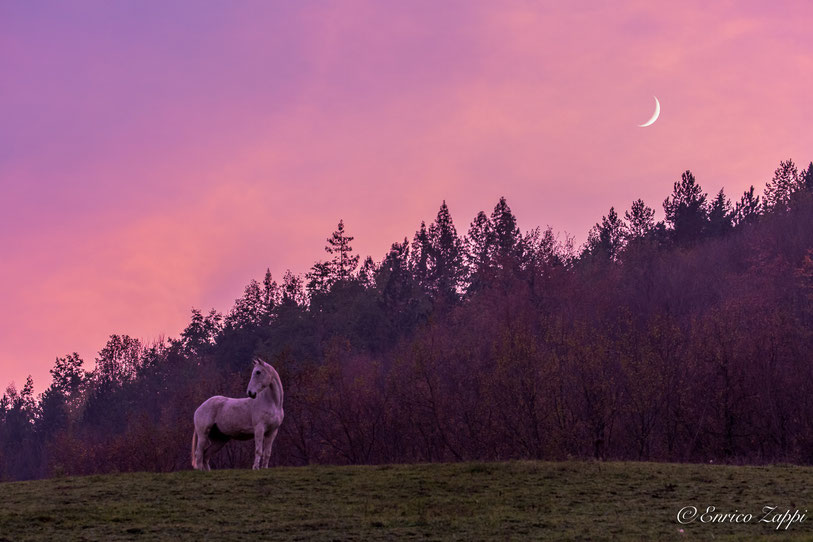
[806, 178]
[339, 269]
[446, 271]
[293, 291]
[748, 208]
[119, 360]
[249, 311]
[479, 247]
[68, 374]
[640, 220]
[686, 210]
[720, 215]
[344, 261]
[687, 340]
[506, 234]
[271, 293]
[421, 255]
[780, 189]
[606, 238]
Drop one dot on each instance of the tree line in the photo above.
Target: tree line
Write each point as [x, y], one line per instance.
[687, 339]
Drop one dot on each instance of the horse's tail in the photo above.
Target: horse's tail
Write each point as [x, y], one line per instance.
[194, 446]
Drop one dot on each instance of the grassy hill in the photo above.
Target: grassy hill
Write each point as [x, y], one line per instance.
[464, 501]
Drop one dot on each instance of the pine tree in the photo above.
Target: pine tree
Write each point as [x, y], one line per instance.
[367, 272]
[686, 210]
[271, 292]
[320, 278]
[747, 210]
[720, 215]
[640, 220]
[18, 410]
[201, 331]
[63, 397]
[421, 250]
[506, 233]
[780, 189]
[344, 261]
[543, 252]
[445, 257]
[607, 237]
[250, 310]
[392, 276]
[53, 413]
[339, 268]
[293, 292]
[806, 178]
[479, 243]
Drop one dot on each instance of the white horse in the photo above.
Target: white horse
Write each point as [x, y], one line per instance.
[220, 419]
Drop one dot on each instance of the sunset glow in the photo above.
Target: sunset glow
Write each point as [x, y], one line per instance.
[156, 158]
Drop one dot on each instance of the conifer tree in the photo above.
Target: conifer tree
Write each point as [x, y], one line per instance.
[392, 276]
[747, 210]
[640, 220]
[293, 292]
[506, 233]
[479, 244]
[780, 189]
[720, 215]
[250, 310]
[320, 278]
[686, 210]
[446, 256]
[366, 275]
[271, 292]
[419, 259]
[607, 237]
[339, 268]
[806, 178]
[201, 331]
[344, 261]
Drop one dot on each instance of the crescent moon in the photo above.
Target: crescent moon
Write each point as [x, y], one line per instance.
[654, 115]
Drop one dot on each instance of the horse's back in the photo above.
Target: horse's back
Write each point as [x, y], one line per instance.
[214, 400]
[232, 416]
[207, 411]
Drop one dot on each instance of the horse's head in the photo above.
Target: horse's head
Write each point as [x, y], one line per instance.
[260, 378]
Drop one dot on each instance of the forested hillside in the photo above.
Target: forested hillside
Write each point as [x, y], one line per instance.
[688, 339]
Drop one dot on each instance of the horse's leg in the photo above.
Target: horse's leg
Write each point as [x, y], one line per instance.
[203, 440]
[259, 439]
[211, 450]
[269, 442]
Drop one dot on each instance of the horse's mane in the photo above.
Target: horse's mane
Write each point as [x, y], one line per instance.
[276, 382]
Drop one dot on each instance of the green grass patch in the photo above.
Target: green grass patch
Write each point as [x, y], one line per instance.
[464, 501]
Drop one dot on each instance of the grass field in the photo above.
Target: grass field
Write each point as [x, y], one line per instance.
[464, 501]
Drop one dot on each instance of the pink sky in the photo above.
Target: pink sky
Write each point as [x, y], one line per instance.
[156, 158]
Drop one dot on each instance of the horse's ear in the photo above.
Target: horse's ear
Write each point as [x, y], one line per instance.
[256, 361]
